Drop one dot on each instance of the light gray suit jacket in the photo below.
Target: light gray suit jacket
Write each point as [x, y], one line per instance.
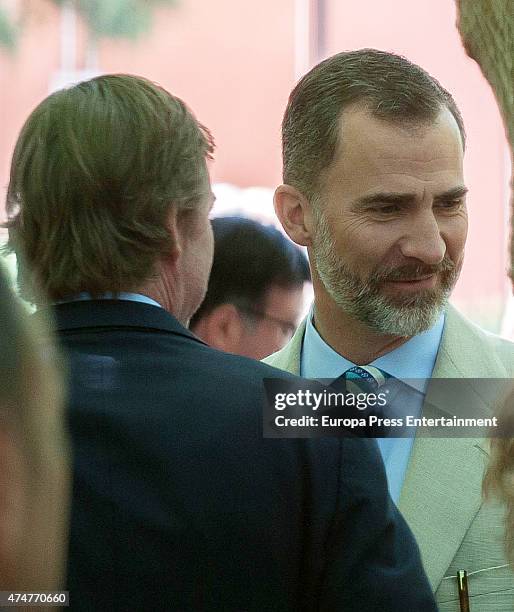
[442, 495]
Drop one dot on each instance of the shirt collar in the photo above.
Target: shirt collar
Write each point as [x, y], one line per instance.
[414, 360]
[109, 295]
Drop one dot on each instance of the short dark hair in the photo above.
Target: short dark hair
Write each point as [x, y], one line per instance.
[95, 172]
[389, 86]
[249, 259]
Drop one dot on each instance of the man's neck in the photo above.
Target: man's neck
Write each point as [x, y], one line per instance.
[351, 338]
[163, 290]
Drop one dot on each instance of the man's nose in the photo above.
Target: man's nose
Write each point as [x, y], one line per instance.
[424, 241]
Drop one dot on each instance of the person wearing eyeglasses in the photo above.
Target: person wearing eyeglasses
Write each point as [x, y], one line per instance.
[255, 297]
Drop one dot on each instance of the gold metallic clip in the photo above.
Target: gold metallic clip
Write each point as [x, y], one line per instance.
[462, 581]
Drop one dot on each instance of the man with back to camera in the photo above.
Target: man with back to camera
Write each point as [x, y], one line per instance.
[254, 299]
[178, 502]
[373, 186]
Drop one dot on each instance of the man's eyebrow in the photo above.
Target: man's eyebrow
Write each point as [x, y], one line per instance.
[392, 197]
[452, 194]
[385, 197]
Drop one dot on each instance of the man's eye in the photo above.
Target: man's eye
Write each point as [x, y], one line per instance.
[450, 204]
[386, 210]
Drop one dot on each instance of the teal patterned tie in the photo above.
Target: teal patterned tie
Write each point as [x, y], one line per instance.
[364, 378]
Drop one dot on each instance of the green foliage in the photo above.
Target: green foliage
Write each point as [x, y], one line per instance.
[8, 31]
[118, 18]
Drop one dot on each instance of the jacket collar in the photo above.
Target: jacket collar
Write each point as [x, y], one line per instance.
[114, 313]
[288, 358]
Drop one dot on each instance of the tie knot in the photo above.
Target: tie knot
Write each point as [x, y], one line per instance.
[365, 377]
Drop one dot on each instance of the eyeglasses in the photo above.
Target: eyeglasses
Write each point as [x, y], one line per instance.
[288, 328]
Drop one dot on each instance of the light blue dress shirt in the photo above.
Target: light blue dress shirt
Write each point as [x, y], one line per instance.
[123, 295]
[412, 362]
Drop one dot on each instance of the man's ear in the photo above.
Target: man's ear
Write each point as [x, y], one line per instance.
[221, 328]
[175, 229]
[295, 214]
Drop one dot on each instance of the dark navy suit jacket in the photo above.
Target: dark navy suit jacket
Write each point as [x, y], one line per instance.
[180, 504]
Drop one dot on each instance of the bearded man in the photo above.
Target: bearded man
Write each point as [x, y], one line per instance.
[373, 187]
[178, 503]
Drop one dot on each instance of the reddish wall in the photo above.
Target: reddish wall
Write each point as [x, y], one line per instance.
[233, 62]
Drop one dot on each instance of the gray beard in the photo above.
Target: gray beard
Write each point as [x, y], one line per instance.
[365, 301]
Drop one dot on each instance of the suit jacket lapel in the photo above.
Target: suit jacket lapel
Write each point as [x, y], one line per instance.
[443, 485]
[440, 497]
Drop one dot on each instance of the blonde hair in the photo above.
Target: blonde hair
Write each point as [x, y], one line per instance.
[32, 421]
[95, 172]
[31, 375]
